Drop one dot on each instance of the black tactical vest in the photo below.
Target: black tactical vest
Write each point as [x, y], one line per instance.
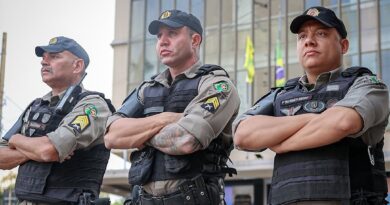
[56, 182]
[330, 172]
[150, 164]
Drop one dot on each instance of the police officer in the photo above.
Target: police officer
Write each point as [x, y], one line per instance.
[180, 121]
[326, 127]
[62, 156]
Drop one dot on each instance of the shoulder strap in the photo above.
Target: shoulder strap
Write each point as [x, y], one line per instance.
[292, 83]
[208, 68]
[108, 101]
[356, 71]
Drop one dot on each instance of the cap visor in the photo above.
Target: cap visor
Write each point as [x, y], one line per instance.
[300, 20]
[156, 24]
[39, 50]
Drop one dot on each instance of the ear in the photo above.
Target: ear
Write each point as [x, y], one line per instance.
[78, 66]
[196, 39]
[344, 45]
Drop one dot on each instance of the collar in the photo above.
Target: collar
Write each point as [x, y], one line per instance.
[49, 96]
[322, 79]
[165, 76]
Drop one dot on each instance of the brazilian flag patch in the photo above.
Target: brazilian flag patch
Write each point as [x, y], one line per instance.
[211, 104]
[222, 86]
[80, 123]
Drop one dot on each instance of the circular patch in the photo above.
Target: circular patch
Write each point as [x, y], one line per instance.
[91, 110]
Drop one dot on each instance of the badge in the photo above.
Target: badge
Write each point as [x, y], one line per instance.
[222, 86]
[45, 118]
[91, 110]
[36, 115]
[53, 41]
[79, 123]
[290, 111]
[211, 104]
[165, 15]
[312, 12]
[375, 80]
[314, 106]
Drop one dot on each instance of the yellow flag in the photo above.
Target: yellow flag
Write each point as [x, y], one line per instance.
[249, 60]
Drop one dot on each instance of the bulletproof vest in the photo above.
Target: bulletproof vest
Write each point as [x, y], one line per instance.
[150, 164]
[55, 182]
[322, 173]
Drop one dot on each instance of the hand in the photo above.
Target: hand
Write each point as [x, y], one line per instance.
[12, 140]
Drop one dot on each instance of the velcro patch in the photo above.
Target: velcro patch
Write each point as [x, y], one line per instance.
[222, 86]
[211, 104]
[80, 123]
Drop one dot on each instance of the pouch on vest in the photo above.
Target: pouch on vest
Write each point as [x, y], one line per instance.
[176, 164]
[141, 165]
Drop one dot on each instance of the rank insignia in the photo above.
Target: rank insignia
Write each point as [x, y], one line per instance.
[290, 111]
[314, 106]
[91, 110]
[211, 104]
[79, 123]
[222, 86]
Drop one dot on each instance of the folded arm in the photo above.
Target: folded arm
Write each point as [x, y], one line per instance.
[39, 149]
[329, 127]
[261, 131]
[10, 158]
[125, 133]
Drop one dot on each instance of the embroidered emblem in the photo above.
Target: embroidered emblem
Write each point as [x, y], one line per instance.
[312, 12]
[36, 116]
[374, 79]
[45, 118]
[91, 110]
[211, 104]
[290, 111]
[165, 15]
[53, 41]
[295, 100]
[222, 86]
[79, 123]
[314, 106]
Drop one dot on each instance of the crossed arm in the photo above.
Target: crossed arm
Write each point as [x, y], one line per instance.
[21, 149]
[300, 132]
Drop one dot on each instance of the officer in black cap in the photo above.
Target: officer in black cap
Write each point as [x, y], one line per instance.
[180, 121]
[58, 140]
[326, 127]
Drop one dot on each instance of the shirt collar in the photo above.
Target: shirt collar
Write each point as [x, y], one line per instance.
[322, 79]
[49, 96]
[165, 76]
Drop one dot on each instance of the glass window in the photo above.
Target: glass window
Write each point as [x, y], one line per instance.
[152, 13]
[349, 17]
[197, 9]
[385, 25]
[137, 20]
[386, 66]
[228, 48]
[211, 43]
[369, 61]
[150, 64]
[369, 31]
[244, 15]
[245, 92]
[261, 41]
[167, 5]
[295, 7]
[136, 62]
[212, 13]
[183, 5]
[311, 3]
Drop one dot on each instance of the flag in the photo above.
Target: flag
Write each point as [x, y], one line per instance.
[249, 64]
[280, 77]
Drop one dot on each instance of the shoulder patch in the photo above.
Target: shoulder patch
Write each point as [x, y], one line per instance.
[91, 110]
[211, 104]
[80, 123]
[222, 86]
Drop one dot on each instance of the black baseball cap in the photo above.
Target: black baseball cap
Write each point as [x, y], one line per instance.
[61, 43]
[321, 14]
[176, 19]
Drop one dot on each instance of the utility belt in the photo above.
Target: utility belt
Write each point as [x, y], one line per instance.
[191, 192]
[24, 202]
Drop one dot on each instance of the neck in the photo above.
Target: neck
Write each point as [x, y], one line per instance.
[178, 69]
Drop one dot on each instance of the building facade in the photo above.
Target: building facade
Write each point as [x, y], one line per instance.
[227, 24]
